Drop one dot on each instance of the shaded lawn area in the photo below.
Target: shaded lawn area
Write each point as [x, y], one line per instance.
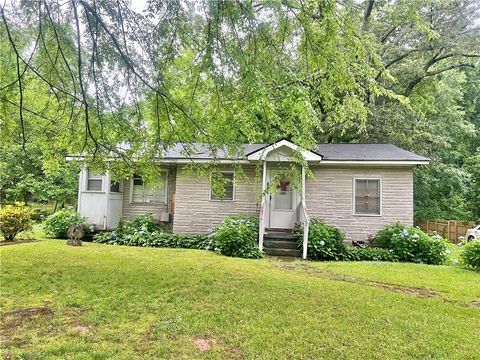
[102, 301]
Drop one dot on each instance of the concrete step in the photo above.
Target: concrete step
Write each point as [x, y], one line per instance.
[283, 252]
[279, 244]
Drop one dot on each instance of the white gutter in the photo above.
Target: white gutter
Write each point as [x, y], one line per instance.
[244, 161]
[375, 162]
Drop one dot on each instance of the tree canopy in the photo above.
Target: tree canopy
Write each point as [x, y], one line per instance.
[87, 76]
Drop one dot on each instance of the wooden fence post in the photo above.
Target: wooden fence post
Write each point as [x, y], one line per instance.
[427, 227]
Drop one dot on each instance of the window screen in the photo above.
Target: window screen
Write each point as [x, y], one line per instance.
[367, 196]
[221, 186]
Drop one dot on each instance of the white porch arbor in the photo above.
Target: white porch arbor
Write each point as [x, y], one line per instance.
[281, 153]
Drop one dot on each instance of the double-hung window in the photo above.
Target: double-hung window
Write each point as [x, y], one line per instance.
[222, 185]
[94, 181]
[367, 197]
[143, 192]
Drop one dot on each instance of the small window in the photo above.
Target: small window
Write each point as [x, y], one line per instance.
[148, 193]
[115, 186]
[222, 185]
[94, 182]
[367, 197]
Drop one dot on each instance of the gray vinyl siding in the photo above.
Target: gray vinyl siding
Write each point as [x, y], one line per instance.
[130, 210]
[329, 195]
[196, 213]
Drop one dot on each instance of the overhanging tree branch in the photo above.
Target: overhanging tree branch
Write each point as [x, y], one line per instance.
[417, 80]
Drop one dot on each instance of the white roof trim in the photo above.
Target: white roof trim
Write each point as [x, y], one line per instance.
[177, 161]
[375, 162]
[261, 154]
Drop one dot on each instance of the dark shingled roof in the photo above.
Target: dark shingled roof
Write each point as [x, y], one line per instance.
[367, 152]
[332, 152]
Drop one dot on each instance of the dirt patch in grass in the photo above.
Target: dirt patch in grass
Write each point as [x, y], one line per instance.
[406, 290]
[82, 329]
[474, 304]
[25, 313]
[14, 322]
[16, 242]
[203, 344]
[73, 319]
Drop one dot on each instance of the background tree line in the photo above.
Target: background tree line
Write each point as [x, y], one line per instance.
[87, 76]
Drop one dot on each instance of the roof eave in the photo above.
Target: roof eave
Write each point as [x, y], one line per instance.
[376, 162]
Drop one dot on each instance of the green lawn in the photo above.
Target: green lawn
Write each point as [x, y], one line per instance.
[102, 301]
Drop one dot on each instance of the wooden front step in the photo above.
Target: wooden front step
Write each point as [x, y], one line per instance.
[281, 244]
[283, 252]
[281, 236]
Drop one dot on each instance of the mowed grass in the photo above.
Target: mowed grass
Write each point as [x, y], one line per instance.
[112, 302]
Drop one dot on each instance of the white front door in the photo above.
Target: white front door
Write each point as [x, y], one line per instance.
[283, 202]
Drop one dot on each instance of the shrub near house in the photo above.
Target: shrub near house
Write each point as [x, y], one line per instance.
[326, 243]
[144, 231]
[395, 242]
[57, 225]
[410, 244]
[471, 255]
[236, 236]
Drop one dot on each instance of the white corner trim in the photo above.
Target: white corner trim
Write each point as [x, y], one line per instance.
[262, 153]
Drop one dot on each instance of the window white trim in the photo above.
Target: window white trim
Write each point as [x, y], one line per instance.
[92, 176]
[120, 183]
[210, 186]
[165, 197]
[380, 195]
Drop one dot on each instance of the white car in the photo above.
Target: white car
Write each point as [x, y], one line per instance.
[473, 234]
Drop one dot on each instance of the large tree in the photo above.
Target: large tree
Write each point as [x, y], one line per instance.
[97, 74]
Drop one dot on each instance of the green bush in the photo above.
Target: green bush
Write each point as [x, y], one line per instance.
[383, 238]
[145, 223]
[156, 239]
[39, 214]
[410, 244]
[471, 255]
[370, 254]
[14, 219]
[144, 230]
[57, 225]
[325, 242]
[237, 236]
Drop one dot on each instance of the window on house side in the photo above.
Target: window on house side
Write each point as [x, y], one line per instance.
[223, 188]
[367, 197]
[114, 186]
[94, 181]
[144, 193]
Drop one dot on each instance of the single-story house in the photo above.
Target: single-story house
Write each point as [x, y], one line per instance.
[357, 187]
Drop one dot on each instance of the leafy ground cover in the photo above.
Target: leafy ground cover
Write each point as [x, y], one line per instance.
[100, 301]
